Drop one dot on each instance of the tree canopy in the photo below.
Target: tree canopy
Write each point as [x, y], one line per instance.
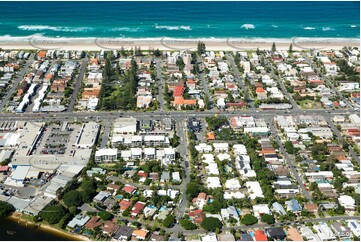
[169, 221]
[267, 218]
[53, 214]
[104, 215]
[187, 224]
[211, 224]
[6, 209]
[73, 198]
[249, 219]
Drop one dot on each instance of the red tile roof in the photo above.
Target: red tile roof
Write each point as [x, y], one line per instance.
[260, 89]
[128, 188]
[124, 204]
[178, 91]
[260, 236]
[138, 206]
[4, 168]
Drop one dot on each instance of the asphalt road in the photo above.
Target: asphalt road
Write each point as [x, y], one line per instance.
[289, 162]
[106, 115]
[182, 149]
[105, 136]
[77, 85]
[326, 79]
[284, 90]
[21, 74]
[240, 81]
[204, 82]
[160, 85]
[339, 136]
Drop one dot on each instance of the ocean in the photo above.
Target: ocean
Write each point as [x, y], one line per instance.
[281, 20]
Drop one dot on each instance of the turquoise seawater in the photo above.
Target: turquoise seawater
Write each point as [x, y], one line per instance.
[181, 19]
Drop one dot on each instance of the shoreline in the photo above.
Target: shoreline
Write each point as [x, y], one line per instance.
[18, 217]
[165, 43]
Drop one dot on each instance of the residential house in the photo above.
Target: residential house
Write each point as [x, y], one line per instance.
[200, 200]
[324, 232]
[109, 228]
[278, 208]
[139, 234]
[124, 204]
[343, 232]
[124, 233]
[276, 233]
[196, 216]
[93, 223]
[137, 208]
[259, 235]
[293, 206]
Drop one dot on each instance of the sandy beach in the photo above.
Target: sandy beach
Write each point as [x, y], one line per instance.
[18, 217]
[230, 44]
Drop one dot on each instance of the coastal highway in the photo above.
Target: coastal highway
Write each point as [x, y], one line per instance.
[105, 115]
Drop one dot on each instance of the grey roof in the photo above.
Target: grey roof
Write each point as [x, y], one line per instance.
[124, 231]
[277, 207]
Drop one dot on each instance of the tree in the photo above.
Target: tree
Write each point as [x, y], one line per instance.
[201, 48]
[53, 214]
[237, 59]
[169, 221]
[290, 49]
[249, 219]
[72, 198]
[6, 209]
[157, 53]
[267, 219]
[273, 47]
[193, 189]
[187, 224]
[88, 186]
[213, 207]
[289, 147]
[340, 209]
[211, 224]
[104, 215]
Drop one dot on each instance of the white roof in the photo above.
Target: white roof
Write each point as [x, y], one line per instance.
[233, 184]
[102, 152]
[254, 189]
[220, 145]
[126, 153]
[229, 195]
[149, 151]
[20, 172]
[136, 151]
[223, 156]
[261, 209]
[239, 149]
[169, 151]
[346, 200]
[213, 182]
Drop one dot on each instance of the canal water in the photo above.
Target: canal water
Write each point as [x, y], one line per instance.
[12, 230]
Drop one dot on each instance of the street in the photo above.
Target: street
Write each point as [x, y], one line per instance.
[21, 74]
[79, 80]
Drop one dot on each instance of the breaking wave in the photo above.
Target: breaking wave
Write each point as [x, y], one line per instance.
[248, 26]
[182, 27]
[54, 28]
